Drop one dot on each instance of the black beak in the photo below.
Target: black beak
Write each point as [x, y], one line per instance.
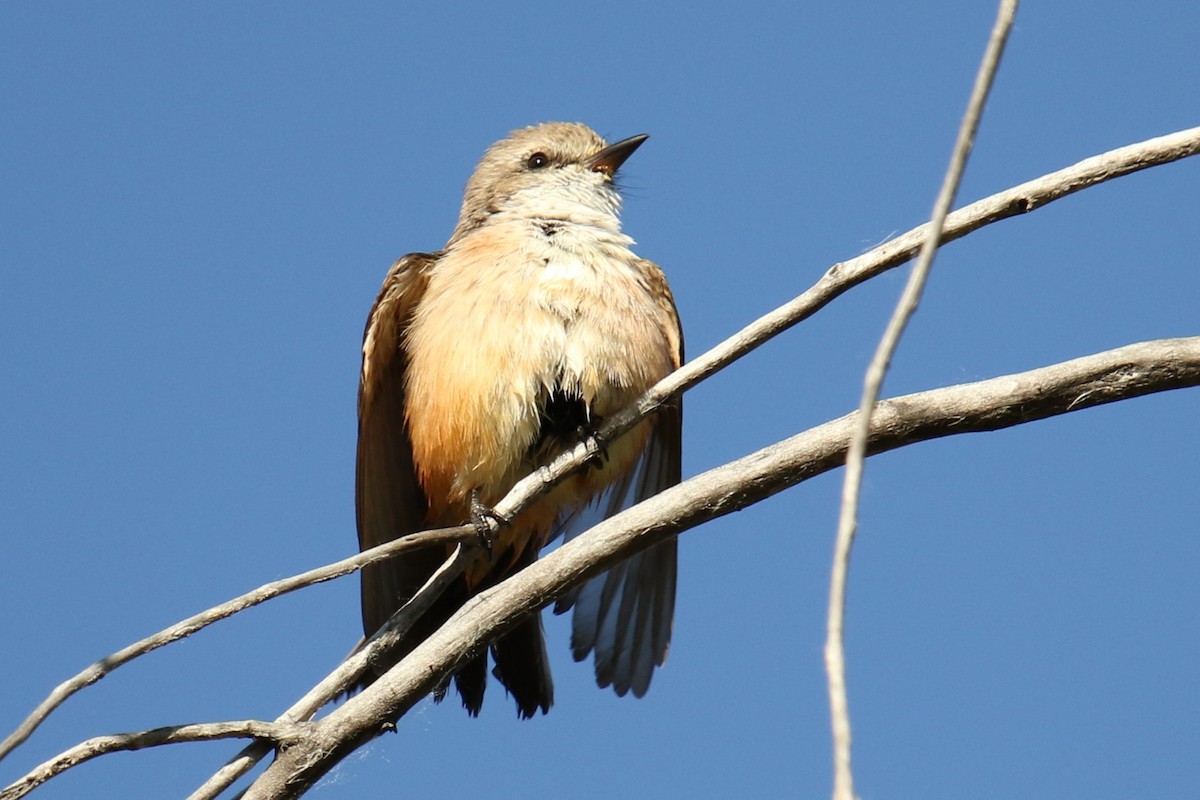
[610, 159]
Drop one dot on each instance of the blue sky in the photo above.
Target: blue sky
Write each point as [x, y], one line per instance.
[200, 200]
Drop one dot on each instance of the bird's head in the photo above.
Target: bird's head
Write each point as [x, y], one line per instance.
[556, 171]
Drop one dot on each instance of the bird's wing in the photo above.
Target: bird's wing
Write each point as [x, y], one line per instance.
[389, 502]
[625, 614]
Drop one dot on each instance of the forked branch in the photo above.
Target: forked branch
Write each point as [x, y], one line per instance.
[982, 406]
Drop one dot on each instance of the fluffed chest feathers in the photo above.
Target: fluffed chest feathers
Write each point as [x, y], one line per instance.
[565, 310]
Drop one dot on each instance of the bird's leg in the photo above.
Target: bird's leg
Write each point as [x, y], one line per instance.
[483, 517]
[597, 447]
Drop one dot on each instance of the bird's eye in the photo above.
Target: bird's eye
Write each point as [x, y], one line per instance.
[537, 161]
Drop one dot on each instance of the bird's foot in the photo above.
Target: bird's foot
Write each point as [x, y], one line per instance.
[486, 520]
[596, 445]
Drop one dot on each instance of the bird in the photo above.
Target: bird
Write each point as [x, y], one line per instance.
[483, 361]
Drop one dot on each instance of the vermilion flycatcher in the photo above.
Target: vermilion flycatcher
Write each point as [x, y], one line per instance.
[489, 358]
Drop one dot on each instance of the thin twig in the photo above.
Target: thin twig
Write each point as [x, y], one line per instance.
[187, 627]
[346, 675]
[835, 655]
[279, 734]
[271, 735]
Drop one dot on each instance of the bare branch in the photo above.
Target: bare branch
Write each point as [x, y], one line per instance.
[345, 675]
[279, 734]
[336, 683]
[838, 279]
[987, 405]
[835, 654]
[187, 627]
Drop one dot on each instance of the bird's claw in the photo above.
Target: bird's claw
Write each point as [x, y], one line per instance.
[596, 445]
[486, 520]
